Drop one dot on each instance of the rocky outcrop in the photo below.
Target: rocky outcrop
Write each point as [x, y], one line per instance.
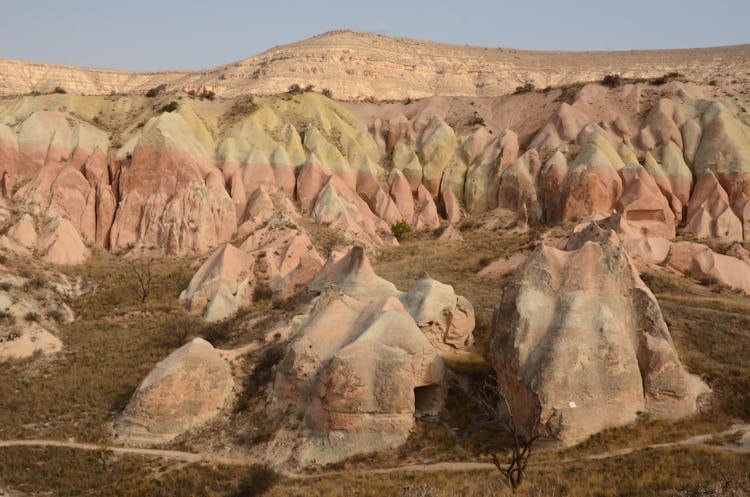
[367, 358]
[582, 332]
[182, 392]
[276, 261]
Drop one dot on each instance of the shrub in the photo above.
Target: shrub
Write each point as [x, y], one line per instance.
[476, 121]
[526, 88]
[261, 375]
[170, 107]
[207, 94]
[155, 91]
[59, 89]
[327, 93]
[262, 292]
[400, 228]
[295, 88]
[31, 317]
[259, 480]
[7, 318]
[56, 315]
[666, 78]
[612, 80]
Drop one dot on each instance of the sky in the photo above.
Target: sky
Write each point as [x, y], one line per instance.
[158, 35]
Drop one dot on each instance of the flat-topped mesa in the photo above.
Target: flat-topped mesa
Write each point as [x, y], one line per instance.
[357, 65]
[584, 335]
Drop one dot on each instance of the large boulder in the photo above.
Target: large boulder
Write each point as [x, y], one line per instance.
[445, 318]
[367, 358]
[182, 392]
[583, 334]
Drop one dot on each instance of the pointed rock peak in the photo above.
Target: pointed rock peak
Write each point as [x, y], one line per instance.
[280, 157]
[256, 156]
[354, 275]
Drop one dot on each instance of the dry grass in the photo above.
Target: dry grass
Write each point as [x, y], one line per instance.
[64, 472]
[673, 472]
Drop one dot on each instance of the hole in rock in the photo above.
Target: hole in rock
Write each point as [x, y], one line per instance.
[427, 400]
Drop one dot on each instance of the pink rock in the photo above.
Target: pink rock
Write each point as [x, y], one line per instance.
[643, 205]
[700, 262]
[608, 354]
[425, 211]
[709, 214]
[400, 192]
[450, 205]
[504, 265]
[311, 180]
[449, 233]
[221, 285]
[61, 244]
[589, 190]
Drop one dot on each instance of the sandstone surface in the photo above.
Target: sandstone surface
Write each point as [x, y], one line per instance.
[183, 391]
[586, 336]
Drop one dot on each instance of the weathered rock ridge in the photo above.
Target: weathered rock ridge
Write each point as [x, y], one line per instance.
[355, 65]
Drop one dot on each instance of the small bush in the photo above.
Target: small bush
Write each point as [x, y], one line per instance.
[528, 87]
[31, 317]
[666, 78]
[59, 89]
[207, 94]
[5, 286]
[295, 88]
[612, 80]
[327, 93]
[7, 318]
[262, 292]
[476, 121]
[170, 107]
[400, 228]
[259, 480]
[156, 91]
[35, 282]
[259, 377]
[56, 315]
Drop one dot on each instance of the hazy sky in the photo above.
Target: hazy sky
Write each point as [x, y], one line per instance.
[150, 35]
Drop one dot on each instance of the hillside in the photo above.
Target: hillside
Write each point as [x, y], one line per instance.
[356, 65]
[296, 293]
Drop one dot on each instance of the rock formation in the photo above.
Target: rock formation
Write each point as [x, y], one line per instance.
[183, 391]
[586, 336]
[366, 361]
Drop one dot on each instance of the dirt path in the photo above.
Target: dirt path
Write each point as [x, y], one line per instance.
[741, 445]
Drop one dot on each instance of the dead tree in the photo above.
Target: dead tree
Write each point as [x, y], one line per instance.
[140, 275]
[517, 409]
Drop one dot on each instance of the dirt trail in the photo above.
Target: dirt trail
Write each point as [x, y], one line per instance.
[740, 445]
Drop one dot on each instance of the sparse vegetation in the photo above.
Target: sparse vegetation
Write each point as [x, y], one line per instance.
[60, 90]
[140, 276]
[31, 317]
[666, 78]
[156, 91]
[400, 228]
[525, 88]
[612, 81]
[259, 480]
[170, 107]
